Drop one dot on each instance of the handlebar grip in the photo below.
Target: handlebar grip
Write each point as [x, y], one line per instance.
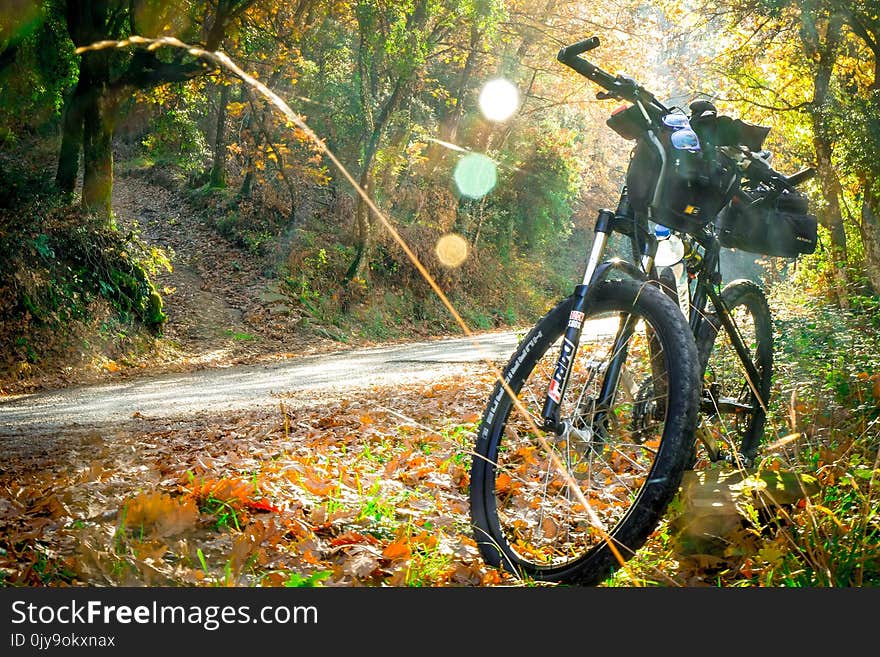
[799, 177]
[578, 48]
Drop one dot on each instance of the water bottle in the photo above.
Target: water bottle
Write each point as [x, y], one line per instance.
[670, 253]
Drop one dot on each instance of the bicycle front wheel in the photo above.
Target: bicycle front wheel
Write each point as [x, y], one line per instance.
[568, 506]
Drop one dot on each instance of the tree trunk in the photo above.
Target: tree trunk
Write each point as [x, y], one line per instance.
[827, 51]
[870, 232]
[451, 128]
[71, 141]
[359, 266]
[449, 125]
[831, 216]
[250, 172]
[88, 128]
[218, 169]
[869, 228]
[247, 184]
[98, 162]
[88, 120]
[98, 120]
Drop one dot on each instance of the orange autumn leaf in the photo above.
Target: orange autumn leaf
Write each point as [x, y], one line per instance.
[397, 550]
[392, 466]
[261, 505]
[310, 557]
[158, 515]
[491, 578]
[233, 491]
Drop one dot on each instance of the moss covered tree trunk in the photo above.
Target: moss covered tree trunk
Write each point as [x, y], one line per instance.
[71, 140]
[97, 142]
[824, 50]
[88, 115]
[218, 169]
[88, 130]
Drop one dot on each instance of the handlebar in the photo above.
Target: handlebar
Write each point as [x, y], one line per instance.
[617, 86]
[760, 171]
[780, 182]
[625, 88]
[578, 48]
[801, 176]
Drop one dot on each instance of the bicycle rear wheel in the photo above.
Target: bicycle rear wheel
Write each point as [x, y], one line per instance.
[734, 409]
[550, 506]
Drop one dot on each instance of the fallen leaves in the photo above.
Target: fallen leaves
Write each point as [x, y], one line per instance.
[158, 515]
[365, 492]
[399, 549]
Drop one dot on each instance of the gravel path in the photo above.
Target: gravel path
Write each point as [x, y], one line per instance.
[300, 380]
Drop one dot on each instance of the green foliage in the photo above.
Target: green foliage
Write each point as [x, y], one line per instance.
[225, 514]
[174, 135]
[42, 70]
[825, 408]
[825, 345]
[859, 131]
[545, 186]
[61, 268]
[296, 580]
[827, 361]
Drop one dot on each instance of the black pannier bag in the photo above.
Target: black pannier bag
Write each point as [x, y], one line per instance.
[781, 227]
[697, 184]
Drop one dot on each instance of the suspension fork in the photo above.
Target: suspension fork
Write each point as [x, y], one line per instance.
[572, 336]
[596, 271]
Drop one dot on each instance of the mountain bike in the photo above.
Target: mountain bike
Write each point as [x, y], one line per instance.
[639, 374]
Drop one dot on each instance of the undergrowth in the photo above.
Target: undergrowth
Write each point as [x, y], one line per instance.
[308, 250]
[69, 282]
[824, 427]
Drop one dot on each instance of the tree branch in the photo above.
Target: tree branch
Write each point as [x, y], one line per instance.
[146, 70]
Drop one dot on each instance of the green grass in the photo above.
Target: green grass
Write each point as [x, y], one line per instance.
[240, 337]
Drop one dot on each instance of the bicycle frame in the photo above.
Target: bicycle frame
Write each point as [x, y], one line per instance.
[703, 269]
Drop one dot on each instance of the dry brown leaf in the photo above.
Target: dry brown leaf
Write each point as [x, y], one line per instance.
[317, 487]
[361, 562]
[353, 538]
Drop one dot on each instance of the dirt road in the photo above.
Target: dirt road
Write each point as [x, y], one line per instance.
[301, 380]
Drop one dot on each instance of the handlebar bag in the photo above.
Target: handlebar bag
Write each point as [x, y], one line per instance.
[781, 227]
[726, 131]
[697, 184]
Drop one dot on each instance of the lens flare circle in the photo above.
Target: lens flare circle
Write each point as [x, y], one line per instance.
[499, 100]
[475, 175]
[451, 250]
